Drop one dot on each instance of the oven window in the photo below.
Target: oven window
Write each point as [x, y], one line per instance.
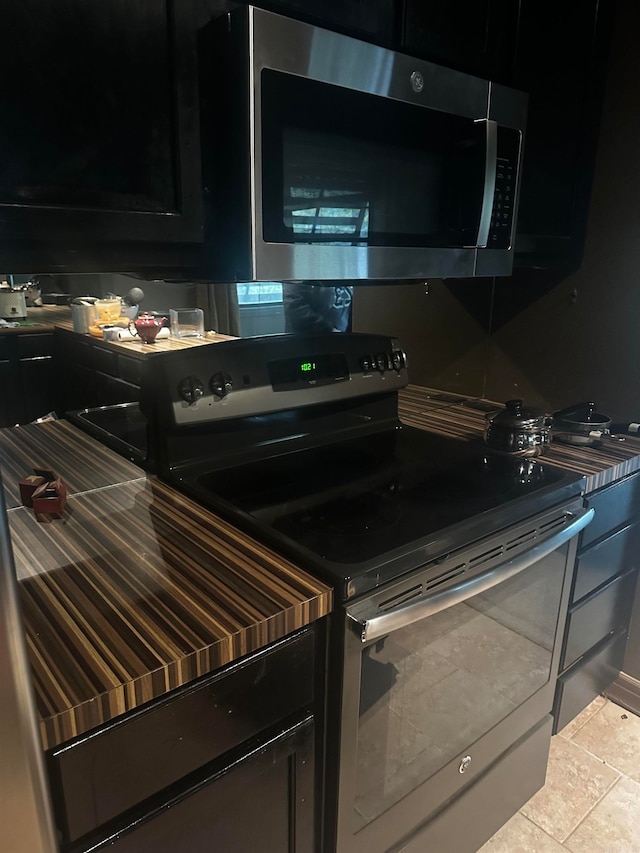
[430, 690]
[352, 169]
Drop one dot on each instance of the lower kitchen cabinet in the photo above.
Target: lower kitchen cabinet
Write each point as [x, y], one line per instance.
[262, 802]
[602, 595]
[226, 763]
[94, 375]
[27, 377]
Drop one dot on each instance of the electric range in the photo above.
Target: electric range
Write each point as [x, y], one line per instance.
[451, 567]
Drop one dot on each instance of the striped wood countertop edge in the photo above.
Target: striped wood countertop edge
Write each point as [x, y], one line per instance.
[139, 590]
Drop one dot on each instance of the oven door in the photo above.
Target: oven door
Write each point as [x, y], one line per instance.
[439, 685]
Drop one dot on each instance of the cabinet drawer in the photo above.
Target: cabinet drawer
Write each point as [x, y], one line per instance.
[111, 391]
[614, 506]
[104, 360]
[130, 369]
[598, 616]
[263, 803]
[96, 778]
[605, 560]
[6, 347]
[35, 346]
[588, 679]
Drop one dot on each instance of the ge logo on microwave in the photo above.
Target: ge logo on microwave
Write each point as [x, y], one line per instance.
[417, 81]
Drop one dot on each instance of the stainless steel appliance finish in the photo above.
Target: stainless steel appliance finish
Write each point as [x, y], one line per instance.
[451, 567]
[25, 810]
[517, 430]
[445, 674]
[346, 161]
[580, 424]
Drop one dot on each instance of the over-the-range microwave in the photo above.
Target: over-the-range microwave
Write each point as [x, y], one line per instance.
[330, 159]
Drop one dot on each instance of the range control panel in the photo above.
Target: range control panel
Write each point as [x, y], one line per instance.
[254, 376]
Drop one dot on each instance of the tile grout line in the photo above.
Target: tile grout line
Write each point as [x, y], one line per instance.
[584, 723]
[606, 764]
[599, 758]
[606, 793]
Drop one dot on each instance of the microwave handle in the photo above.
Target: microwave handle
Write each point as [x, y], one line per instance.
[405, 615]
[490, 168]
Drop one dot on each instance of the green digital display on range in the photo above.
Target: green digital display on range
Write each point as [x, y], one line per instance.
[308, 371]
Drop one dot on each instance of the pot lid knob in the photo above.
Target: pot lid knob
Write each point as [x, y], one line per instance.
[514, 407]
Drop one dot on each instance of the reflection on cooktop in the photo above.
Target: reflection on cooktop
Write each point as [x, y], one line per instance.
[361, 499]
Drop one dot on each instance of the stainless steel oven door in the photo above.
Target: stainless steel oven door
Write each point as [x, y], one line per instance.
[445, 671]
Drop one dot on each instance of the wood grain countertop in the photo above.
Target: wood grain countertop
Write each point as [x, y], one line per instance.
[137, 349]
[39, 320]
[136, 590]
[48, 318]
[463, 418]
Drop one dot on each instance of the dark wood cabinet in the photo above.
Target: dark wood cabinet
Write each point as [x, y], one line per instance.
[373, 20]
[27, 377]
[474, 36]
[99, 155]
[228, 762]
[92, 374]
[561, 61]
[601, 602]
[262, 802]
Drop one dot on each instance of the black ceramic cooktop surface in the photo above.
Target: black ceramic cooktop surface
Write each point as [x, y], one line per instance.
[350, 507]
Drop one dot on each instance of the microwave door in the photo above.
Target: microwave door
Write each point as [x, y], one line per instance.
[344, 172]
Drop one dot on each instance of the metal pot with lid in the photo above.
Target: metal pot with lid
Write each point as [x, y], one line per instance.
[580, 424]
[517, 430]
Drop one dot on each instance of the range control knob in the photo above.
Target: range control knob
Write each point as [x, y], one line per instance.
[397, 359]
[381, 361]
[191, 389]
[221, 383]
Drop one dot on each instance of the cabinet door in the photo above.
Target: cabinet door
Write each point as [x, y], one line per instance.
[368, 19]
[100, 142]
[263, 802]
[10, 404]
[40, 392]
[561, 63]
[475, 36]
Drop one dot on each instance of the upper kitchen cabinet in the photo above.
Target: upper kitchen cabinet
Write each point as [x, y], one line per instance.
[99, 147]
[372, 20]
[557, 53]
[474, 36]
[561, 62]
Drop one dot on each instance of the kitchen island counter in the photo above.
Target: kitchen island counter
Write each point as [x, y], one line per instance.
[463, 418]
[136, 590]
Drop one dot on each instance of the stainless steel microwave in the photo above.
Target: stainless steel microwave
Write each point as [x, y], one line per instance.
[329, 159]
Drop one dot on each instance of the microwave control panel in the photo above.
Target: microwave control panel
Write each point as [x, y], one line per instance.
[502, 215]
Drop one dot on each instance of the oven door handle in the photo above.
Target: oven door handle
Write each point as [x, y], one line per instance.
[401, 617]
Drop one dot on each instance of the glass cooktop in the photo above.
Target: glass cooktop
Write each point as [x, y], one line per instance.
[381, 504]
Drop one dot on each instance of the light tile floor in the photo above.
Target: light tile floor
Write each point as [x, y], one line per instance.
[591, 800]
